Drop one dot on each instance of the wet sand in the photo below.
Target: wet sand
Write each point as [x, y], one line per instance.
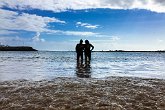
[113, 93]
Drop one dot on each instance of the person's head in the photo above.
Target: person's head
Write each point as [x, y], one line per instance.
[86, 42]
[81, 41]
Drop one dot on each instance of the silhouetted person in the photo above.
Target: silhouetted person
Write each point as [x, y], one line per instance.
[88, 48]
[79, 51]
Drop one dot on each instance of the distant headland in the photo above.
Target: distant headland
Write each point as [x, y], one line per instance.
[16, 48]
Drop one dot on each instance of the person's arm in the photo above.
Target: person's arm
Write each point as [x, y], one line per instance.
[76, 48]
[92, 47]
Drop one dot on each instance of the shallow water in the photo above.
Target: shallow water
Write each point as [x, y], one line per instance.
[49, 65]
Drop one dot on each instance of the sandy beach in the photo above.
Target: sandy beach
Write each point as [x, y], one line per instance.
[113, 93]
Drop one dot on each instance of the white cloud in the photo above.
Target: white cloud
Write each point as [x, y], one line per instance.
[86, 25]
[11, 20]
[7, 32]
[73, 33]
[115, 38]
[10, 40]
[79, 33]
[106, 39]
[63, 5]
[37, 38]
[160, 41]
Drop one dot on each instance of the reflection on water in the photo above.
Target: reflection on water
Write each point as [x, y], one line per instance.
[83, 70]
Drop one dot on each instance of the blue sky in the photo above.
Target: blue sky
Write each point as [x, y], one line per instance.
[60, 24]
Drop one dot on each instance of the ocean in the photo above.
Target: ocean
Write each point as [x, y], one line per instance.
[47, 65]
[53, 80]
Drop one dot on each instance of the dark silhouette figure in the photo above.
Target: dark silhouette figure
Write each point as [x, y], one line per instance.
[88, 48]
[79, 51]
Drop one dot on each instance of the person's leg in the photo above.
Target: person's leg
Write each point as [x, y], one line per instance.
[85, 57]
[78, 57]
[81, 58]
[89, 56]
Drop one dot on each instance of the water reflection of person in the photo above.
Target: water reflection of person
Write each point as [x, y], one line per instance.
[88, 48]
[83, 71]
[79, 51]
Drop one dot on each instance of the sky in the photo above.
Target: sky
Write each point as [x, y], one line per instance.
[58, 25]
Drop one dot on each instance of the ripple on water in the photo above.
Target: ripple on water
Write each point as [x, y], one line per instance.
[36, 65]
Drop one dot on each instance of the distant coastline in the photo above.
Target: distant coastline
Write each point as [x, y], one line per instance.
[16, 48]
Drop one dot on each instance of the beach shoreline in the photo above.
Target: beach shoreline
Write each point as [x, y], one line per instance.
[112, 93]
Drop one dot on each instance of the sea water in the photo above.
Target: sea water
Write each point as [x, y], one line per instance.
[44, 65]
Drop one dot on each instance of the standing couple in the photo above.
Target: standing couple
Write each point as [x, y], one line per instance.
[86, 48]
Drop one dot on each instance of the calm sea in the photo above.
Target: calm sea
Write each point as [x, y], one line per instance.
[48, 65]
